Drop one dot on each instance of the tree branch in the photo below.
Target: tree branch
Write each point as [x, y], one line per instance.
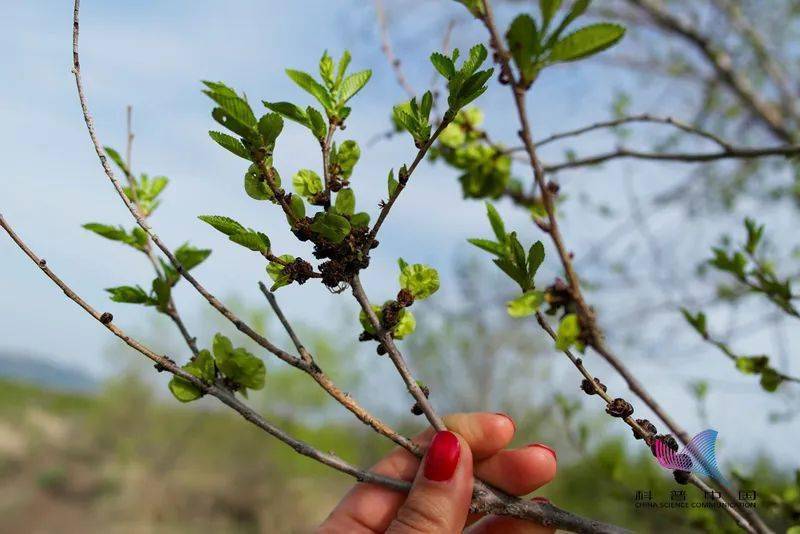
[722, 64]
[585, 313]
[386, 47]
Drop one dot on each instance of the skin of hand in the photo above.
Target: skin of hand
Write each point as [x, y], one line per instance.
[473, 445]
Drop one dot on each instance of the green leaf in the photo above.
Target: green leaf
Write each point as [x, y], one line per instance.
[231, 103]
[548, 9]
[496, 221]
[297, 206]
[353, 84]
[307, 183]
[474, 6]
[752, 365]
[238, 364]
[326, 70]
[586, 42]
[359, 220]
[346, 201]
[347, 156]
[579, 7]
[117, 159]
[230, 143]
[421, 280]
[233, 124]
[392, 183]
[332, 227]
[698, 321]
[130, 295]
[523, 42]
[226, 225]
[255, 241]
[275, 272]
[489, 246]
[535, 258]
[405, 326]
[258, 188]
[402, 263]
[311, 86]
[755, 232]
[114, 233]
[183, 390]
[290, 111]
[270, 127]
[568, 331]
[443, 64]
[770, 379]
[527, 304]
[317, 123]
[190, 257]
[163, 292]
[344, 61]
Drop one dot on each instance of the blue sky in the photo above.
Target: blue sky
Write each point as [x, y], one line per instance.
[152, 55]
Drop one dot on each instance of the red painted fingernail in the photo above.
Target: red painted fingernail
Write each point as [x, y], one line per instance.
[545, 447]
[509, 418]
[442, 457]
[543, 500]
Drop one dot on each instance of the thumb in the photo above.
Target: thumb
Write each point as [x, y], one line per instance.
[439, 499]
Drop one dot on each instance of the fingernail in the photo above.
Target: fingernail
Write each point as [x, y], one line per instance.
[442, 457]
[543, 500]
[545, 447]
[509, 418]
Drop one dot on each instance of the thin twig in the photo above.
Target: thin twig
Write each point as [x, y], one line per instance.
[397, 358]
[386, 47]
[644, 117]
[402, 181]
[683, 157]
[273, 302]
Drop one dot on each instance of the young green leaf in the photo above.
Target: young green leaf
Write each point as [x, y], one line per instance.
[523, 43]
[443, 64]
[326, 70]
[130, 295]
[359, 220]
[498, 227]
[332, 227]
[353, 84]
[421, 280]
[526, 304]
[489, 246]
[311, 86]
[230, 143]
[257, 187]
[586, 42]
[752, 365]
[226, 225]
[238, 364]
[548, 9]
[290, 111]
[345, 201]
[347, 156]
[568, 331]
[250, 239]
[317, 123]
[275, 272]
[307, 183]
[697, 321]
[297, 207]
[770, 379]
[270, 127]
[535, 258]
[190, 257]
[117, 159]
[392, 183]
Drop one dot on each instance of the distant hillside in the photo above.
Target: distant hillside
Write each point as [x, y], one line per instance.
[37, 370]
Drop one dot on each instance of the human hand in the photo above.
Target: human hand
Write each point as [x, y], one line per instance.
[442, 483]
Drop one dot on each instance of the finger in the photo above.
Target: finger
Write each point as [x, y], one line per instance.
[372, 507]
[439, 499]
[486, 433]
[519, 471]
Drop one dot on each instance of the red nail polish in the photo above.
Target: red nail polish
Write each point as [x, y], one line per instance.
[509, 418]
[545, 447]
[442, 457]
[542, 500]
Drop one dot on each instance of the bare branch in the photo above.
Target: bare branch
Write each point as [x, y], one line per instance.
[722, 64]
[733, 153]
[386, 47]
